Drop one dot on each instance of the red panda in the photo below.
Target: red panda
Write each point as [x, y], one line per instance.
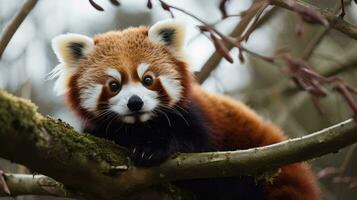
[134, 87]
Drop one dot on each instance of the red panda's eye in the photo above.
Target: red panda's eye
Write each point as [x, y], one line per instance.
[114, 86]
[148, 80]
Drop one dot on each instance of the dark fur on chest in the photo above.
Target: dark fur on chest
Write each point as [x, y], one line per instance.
[153, 142]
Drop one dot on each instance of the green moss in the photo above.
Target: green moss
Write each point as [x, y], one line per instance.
[10, 103]
[17, 113]
[19, 116]
[85, 145]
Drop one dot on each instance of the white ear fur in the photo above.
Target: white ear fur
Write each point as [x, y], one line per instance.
[70, 47]
[170, 33]
[62, 74]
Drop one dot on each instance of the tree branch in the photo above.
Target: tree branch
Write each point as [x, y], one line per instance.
[27, 184]
[87, 164]
[14, 24]
[347, 64]
[251, 161]
[334, 20]
[313, 43]
[216, 57]
[55, 149]
[318, 37]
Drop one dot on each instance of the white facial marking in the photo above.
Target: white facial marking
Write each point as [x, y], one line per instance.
[145, 117]
[172, 87]
[89, 97]
[113, 73]
[129, 119]
[142, 69]
[119, 102]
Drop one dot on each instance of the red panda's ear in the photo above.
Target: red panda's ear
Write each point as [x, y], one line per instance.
[170, 33]
[69, 48]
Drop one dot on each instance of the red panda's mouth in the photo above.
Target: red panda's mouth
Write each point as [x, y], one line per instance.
[136, 117]
[136, 114]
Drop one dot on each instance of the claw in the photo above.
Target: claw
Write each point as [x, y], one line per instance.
[150, 156]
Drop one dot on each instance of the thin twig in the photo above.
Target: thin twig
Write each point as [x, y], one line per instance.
[216, 57]
[255, 22]
[313, 43]
[214, 24]
[316, 84]
[208, 28]
[317, 38]
[335, 21]
[350, 155]
[14, 24]
[345, 67]
[343, 12]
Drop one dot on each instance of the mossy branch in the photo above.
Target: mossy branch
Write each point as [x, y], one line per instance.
[100, 169]
[88, 165]
[54, 148]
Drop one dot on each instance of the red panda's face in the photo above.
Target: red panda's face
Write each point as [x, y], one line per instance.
[137, 73]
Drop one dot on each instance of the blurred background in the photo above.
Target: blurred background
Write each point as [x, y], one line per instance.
[29, 58]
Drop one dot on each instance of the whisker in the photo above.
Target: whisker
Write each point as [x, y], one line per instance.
[175, 112]
[173, 106]
[108, 125]
[122, 124]
[167, 117]
[180, 114]
[181, 108]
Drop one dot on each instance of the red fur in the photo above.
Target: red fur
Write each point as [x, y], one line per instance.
[72, 98]
[235, 126]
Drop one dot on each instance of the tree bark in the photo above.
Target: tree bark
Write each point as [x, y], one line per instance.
[28, 184]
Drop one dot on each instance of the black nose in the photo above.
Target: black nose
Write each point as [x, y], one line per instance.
[135, 103]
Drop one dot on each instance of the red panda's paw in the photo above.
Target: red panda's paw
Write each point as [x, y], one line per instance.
[149, 154]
